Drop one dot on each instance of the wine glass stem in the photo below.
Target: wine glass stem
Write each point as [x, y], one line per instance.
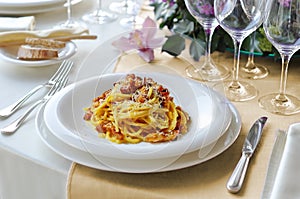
[69, 10]
[208, 38]
[99, 5]
[251, 55]
[236, 63]
[283, 76]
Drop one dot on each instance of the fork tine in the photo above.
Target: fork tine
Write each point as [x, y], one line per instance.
[61, 84]
[61, 68]
[67, 65]
[61, 81]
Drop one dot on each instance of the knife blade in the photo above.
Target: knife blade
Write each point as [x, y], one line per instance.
[237, 177]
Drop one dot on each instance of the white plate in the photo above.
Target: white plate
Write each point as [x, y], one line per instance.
[29, 7]
[29, 10]
[28, 3]
[210, 117]
[10, 53]
[140, 166]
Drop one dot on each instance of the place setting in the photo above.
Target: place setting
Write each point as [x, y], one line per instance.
[170, 100]
[70, 129]
[70, 135]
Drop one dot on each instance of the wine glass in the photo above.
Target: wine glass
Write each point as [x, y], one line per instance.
[99, 16]
[283, 31]
[132, 11]
[239, 19]
[203, 11]
[252, 70]
[70, 23]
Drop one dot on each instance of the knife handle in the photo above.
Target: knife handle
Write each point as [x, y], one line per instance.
[237, 177]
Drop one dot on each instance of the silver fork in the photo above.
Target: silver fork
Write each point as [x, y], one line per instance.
[65, 66]
[11, 128]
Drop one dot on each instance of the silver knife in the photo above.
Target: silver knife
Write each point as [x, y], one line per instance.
[236, 180]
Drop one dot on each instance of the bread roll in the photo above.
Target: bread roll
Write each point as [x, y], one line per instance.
[48, 43]
[40, 49]
[27, 52]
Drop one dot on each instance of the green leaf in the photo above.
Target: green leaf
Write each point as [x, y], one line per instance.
[169, 12]
[174, 45]
[197, 49]
[158, 9]
[183, 27]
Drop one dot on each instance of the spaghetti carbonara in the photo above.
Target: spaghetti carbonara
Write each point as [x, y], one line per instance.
[137, 109]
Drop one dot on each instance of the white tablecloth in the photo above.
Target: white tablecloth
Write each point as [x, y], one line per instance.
[28, 168]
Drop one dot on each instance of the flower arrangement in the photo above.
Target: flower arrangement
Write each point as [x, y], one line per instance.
[144, 40]
[174, 15]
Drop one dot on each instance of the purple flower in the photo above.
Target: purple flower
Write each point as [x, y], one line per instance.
[170, 2]
[143, 40]
[285, 3]
[206, 9]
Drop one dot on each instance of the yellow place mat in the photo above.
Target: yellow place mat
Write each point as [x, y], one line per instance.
[164, 62]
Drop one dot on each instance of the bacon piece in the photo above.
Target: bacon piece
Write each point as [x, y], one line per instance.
[130, 84]
[87, 116]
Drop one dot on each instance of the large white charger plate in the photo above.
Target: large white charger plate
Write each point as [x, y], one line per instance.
[140, 166]
[210, 117]
[10, 54]
[28, 3]
[20, 7]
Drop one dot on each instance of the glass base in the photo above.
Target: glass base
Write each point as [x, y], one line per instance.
[69, 24]
[280, 104]
[236, 91]
[122, 7]
[99, 17]
[131, 21]
[207, 72]
[253, 71]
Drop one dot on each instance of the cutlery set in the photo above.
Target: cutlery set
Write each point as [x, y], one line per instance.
[56, 83]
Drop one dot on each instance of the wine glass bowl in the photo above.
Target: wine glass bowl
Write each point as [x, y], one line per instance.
[283, 31]
[203, 12]
[239, 19]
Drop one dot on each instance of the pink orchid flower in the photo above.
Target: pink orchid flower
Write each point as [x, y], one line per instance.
[143, 40]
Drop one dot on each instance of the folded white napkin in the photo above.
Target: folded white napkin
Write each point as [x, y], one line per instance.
[287, 178]
[17, 23]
